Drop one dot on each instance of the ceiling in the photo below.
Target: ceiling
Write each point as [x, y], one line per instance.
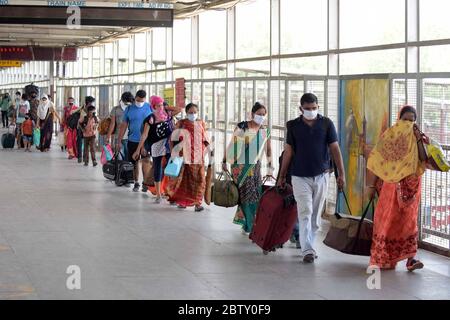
[52, 35]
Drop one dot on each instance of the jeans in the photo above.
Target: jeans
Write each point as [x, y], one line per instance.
[5, 119]
[310, 194]
[80, 144]
[157, 167]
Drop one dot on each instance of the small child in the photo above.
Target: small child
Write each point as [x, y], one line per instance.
[89, 125]
[27, 132]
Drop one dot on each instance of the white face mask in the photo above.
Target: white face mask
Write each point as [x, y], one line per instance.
[140, 104]
[123, 105]
[259, 119]
[310, 115]
[192, 116]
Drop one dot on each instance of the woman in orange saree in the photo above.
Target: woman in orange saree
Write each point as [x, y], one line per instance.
[396, 165]
[189, 188]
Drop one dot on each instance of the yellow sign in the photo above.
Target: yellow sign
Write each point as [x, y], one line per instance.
[10, 63]
[169, 96]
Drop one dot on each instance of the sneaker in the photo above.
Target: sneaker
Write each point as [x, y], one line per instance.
[136, 187]
[297, 244]
[94, 163]
[199, 208]
[158, 200]
[309, 258]
[144, 188]
[80, 161]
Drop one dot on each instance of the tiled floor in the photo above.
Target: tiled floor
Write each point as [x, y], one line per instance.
[55, 213]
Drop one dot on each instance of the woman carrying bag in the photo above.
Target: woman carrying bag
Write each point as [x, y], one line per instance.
[249, 141]
[397, 164]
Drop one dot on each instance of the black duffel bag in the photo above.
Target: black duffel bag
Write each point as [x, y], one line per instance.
[350, 234]
[119, 171]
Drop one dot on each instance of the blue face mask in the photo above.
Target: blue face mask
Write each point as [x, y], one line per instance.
[192, 116]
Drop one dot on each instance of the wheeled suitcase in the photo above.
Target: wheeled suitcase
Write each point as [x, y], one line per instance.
[275, 218]
[8, 140]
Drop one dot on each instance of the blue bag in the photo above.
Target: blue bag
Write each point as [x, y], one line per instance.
[173, 168]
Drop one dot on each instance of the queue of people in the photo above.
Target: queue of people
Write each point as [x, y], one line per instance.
[148, 135]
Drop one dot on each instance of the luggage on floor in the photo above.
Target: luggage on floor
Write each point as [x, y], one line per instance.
[350, 234]
[8, 140]
[225, 192]
[268, 182]
[119, 171]
[275, 218]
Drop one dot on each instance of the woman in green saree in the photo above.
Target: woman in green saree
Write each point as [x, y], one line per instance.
[247, 146]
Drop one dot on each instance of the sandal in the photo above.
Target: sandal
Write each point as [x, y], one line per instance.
[199, 208]
[414, 264]
[181, 207]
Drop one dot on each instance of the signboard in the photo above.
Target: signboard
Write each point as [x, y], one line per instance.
[38, 53]
[169, 96]
[180, 92]
[10, 64]
[83, 13]
[84, 3]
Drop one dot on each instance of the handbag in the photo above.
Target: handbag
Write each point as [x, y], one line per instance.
[436, 158]
[173, 168]
[225, 192]
[109, 154]
[349, 234]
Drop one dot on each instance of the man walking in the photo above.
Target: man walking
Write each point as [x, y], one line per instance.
[309, 141]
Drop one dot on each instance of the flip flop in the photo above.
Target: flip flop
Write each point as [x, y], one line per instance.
[414, 265]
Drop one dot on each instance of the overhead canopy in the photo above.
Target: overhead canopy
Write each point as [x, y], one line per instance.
[40, 33]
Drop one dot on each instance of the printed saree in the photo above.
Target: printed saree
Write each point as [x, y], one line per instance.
[188, 189]
[245, 154]
[395, 160]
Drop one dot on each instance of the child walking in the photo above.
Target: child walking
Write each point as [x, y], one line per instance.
[89, 124]
[27, 132]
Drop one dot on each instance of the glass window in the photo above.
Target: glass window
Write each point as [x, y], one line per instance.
[140, 46]
[381, 61]
[159, 44]
[212, 36]
[365, 23]
[434, 21]
[109, 50]
[303, 25]
[306, 65]
[253, 68]
[123, 48]
[253, 34]
[431, 59]
[182, 41]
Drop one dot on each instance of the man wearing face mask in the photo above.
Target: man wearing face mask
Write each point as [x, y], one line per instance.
[116, 116]
[309, 141]
[133, 119]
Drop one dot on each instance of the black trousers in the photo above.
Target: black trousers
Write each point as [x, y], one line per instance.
[80, 139]
[5, 119]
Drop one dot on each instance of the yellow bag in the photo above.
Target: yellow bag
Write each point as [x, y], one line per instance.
[436, 156]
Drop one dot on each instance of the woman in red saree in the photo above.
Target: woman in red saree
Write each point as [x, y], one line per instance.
[189, 188]
[396, 165]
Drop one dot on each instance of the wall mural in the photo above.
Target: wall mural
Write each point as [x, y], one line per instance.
[364, 115]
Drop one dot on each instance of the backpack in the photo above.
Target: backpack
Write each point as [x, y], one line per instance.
[104, 126]
[72, 121]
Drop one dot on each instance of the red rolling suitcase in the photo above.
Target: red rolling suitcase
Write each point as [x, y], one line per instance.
[275, 219]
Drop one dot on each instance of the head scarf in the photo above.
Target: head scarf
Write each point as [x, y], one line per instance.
[406, 109]
[43, 107]
[159, 112]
